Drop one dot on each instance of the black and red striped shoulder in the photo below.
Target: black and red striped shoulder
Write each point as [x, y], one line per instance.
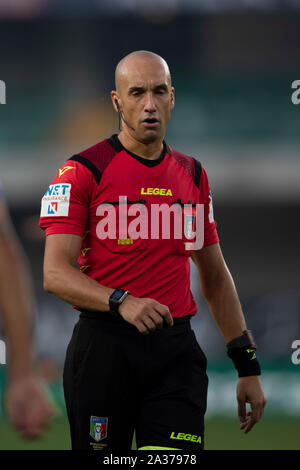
[191, 164]
[96, 158]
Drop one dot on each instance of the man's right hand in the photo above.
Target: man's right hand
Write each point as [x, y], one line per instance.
[145, 314]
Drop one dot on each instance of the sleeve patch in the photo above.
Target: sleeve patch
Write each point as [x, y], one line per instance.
[56, 200]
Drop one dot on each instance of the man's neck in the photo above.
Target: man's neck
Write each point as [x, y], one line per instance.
[151, 151]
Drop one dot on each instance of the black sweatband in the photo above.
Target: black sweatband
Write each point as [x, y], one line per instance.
[245, 361]
[242, 351]
[246, 339]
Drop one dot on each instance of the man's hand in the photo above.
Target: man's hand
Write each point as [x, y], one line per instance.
[249, 390]
[145, 314]
[28, 407]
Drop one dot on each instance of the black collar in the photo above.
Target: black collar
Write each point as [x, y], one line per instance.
[117, 145]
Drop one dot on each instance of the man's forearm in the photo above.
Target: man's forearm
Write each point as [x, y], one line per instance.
[225, 307]
[76, 288]
[17, 306]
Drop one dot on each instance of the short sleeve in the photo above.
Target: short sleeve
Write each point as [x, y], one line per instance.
[64, 206]
[210, 225]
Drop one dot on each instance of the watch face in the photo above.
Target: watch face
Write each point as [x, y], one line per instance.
[117, 295]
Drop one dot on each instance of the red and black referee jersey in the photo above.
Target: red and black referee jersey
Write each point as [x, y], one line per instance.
[154, 268]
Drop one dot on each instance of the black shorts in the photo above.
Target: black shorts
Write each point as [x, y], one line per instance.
[117, 381]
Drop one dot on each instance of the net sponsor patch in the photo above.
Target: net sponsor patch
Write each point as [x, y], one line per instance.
[56, 200]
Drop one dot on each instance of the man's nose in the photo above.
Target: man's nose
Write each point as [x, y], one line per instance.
[150, 106]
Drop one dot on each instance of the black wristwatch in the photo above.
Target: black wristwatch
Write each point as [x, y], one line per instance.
[116, 298]
[246, 339]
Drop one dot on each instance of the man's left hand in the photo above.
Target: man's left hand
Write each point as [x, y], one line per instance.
[249, 390]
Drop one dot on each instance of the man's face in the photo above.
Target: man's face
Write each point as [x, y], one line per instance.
[146, 98]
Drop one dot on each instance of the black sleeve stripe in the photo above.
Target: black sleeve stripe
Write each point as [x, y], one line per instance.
[84, 161]
[198, 170]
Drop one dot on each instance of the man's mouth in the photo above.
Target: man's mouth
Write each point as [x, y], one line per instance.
[150, 122]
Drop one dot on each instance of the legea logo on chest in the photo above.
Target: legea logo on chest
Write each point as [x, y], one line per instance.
[157, 191]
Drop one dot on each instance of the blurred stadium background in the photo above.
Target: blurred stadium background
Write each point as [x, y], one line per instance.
[233, 63]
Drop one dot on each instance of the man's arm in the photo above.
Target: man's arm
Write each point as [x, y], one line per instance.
[220, 293]
[62, 278]
[16, 299]
[27, 405]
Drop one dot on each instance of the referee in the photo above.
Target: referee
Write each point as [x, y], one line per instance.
[133, 362]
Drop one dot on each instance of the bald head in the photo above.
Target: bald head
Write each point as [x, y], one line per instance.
[137, 61]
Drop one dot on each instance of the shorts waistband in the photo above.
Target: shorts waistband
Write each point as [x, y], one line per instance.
[116, 319]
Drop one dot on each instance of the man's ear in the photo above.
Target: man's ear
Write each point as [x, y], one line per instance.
[115, 100]
[117, 105]
[172, 97]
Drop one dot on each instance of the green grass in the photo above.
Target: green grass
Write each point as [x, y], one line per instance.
[221, 433]
[55, 438]
[272, 433]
